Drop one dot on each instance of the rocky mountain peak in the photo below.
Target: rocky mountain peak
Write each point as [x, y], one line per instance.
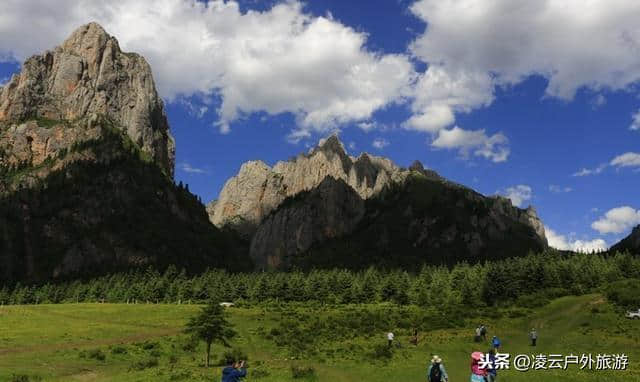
[416, 166]
[258, 189]
[332, 144]
[86, 78]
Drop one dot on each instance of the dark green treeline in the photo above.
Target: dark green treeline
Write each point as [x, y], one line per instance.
[526, 280]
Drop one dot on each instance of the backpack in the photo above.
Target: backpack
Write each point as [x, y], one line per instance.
[435, 375]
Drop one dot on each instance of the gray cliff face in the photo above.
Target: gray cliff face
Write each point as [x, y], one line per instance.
[258, 189]
[86, 77]
[326, 196]
[328, 211]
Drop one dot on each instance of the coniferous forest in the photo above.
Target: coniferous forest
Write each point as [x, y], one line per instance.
[529, 281]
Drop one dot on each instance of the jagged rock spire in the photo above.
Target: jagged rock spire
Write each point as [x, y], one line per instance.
[87, 76]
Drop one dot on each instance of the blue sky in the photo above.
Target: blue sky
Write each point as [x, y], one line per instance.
[537, 108]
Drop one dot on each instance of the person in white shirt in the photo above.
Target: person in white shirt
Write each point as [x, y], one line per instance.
[390, 339]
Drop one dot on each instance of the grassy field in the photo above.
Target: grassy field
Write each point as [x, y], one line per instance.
[119, 342]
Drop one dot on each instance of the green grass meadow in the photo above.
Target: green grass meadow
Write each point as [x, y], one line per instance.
[120, 342]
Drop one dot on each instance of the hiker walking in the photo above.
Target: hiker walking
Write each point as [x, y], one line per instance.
[390, 337]
[492, 372]
[414, 337]
[234, 372]
[478, 374]
[534, 337]
[478, 334]
[483, 332]
[436, 371]
[496, 342]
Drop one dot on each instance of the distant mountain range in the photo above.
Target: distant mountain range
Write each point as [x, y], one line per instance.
[328, 209]
[86, 187]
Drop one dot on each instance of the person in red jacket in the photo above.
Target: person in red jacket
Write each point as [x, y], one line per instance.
[478, 374]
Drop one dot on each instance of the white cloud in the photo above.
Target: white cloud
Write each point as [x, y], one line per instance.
[468, 59]
[4, 81]
[194, 109]
[439, 94]
[296, 135]
[558, 189]
[380, 143]
[617, 220]
[518, 194]
[279, 60]
[560, 242]
[367, 126]
[546, 38]
[626, 160]
[474, 142]
[623, 160]
[188, 168]
[635, 124]
[590, 171]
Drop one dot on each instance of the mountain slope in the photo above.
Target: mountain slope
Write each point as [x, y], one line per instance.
[86, 164]
[329, 209]
[630, 243]
[426, 221]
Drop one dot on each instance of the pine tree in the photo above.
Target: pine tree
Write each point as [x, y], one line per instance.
[210, 326]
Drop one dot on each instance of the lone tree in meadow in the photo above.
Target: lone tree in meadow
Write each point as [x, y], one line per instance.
[210, 326]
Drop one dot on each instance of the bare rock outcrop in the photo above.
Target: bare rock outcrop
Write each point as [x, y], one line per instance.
[309, 209]
[71, 86]
[258, 189]
[329, 210]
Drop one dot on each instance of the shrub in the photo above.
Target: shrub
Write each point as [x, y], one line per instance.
[96, 354]
[624, 293]
[382, 351]
[299, 372]
[259, 373]
[144, 364]
[190, 346]
[149, 345]
[534, 300]
[234, 354]
[25, 378]
[119, 350]
[181, 375]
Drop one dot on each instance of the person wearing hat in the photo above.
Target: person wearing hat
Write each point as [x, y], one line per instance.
[436, 371]
[478, 374]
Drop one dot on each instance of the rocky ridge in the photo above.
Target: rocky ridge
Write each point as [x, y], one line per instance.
[298, 206]
[258, 189]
